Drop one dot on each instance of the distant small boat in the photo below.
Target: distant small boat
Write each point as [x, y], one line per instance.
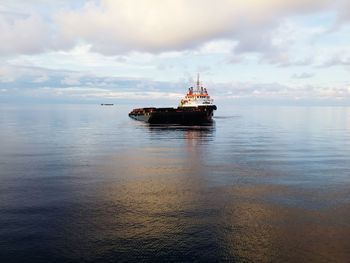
[195, 108]
[107, 104]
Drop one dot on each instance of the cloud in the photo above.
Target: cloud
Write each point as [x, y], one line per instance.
[84, 87]
[13, 74]
[280, 92]
[99, 93]
[72, 79]
[23, 35]
[337, 60]
[41, 79]
[6, 75]
[343, 12]
[121, 26]
[303, 75]
[29, 34]
[115, 26]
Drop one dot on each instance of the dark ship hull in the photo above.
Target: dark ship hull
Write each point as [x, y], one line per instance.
[180, 115]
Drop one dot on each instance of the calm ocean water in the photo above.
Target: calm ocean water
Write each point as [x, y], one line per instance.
[84, 183]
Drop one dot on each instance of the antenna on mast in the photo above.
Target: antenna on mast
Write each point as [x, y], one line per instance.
[197, 81]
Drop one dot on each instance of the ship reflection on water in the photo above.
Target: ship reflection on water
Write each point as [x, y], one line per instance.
[189, 134]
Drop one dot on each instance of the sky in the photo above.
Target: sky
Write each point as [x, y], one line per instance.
[290, 52]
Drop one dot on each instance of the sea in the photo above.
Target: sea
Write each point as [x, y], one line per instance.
[85, 183]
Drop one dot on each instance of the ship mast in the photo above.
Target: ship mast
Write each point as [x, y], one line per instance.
[197, 82]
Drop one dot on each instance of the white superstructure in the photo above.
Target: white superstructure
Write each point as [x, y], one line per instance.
[196, 97]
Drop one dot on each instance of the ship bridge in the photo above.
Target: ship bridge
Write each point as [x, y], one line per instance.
[197, 96]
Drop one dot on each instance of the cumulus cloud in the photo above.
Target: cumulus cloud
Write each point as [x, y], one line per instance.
[23, 34]
[114, 26]
[29, 34]
[343, 7]
[118, 26]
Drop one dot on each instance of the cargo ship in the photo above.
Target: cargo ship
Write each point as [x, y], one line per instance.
[196, 107]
